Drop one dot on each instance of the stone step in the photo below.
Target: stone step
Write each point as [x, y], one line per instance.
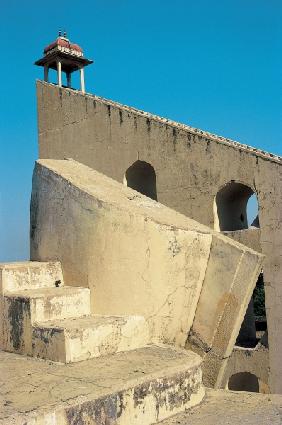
[74, 340]
[23, 308]
[45, 304]
[30, 274]
[139, 387]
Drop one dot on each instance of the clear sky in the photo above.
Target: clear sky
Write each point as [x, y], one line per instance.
[215, 65]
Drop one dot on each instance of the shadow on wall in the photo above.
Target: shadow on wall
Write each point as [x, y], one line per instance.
[244, 381]
[141, 176]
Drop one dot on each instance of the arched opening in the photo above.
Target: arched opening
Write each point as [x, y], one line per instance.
[247, 337]
[244, 381]
[254, 325]
[141, 176]
[260, 312]
[236, 207]
[252, 211]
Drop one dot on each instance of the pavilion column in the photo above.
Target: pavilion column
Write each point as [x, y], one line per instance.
[59, 70]
[46, 73]
[69, 79]
[82, 82]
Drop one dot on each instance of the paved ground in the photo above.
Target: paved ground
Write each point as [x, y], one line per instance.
[232, 408]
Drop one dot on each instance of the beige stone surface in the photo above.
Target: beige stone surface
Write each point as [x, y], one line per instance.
[139, 257]
[136, 388]
[73, 340]
[135, 255]
[232, 408]
[23, 309]
[55, 322]
[191, 166]
[30, 275]
[249, 237]
[251, 360]
[19, 276]
[221, 308]
[221, 304]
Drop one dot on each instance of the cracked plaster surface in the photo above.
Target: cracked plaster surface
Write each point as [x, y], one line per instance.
[28, 385]
[189, 172]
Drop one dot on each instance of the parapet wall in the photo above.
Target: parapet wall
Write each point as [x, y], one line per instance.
[191, 165]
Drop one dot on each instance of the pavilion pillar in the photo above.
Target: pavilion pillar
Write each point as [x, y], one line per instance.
[59, 70]
[82, 82]
[46, 73]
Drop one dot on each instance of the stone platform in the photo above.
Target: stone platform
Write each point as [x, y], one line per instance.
[139, 387]
[222, 407]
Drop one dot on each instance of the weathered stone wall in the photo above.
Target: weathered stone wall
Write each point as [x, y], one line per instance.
[135, 255]
[253, 360]
[191, 167]
[139, 257]
[249, 237]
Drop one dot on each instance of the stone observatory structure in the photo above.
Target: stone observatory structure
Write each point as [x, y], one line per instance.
[144, 294]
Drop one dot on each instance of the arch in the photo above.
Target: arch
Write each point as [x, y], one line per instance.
[254, 326]
[236, 208]
[247, 336]
[244, 381]
[231, 207]
[252, 211]
[141, 176]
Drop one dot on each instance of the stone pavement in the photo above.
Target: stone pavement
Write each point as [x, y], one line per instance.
[222, 407]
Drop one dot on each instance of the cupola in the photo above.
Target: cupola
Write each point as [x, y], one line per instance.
[64, 56]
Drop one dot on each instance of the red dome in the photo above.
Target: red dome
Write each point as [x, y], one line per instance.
[76, 47]
[63, 42]
[59, 42]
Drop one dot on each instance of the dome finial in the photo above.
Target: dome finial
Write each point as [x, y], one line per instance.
[60, 33]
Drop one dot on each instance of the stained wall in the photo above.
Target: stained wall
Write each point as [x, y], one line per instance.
[191, 166]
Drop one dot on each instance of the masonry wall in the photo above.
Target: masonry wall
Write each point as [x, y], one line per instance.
[191, 167]
[190, 283]
[136, 256]
[255, 361]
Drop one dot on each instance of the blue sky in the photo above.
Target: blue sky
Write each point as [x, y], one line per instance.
[212, 65]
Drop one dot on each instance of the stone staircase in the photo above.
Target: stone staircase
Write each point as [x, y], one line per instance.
[120, 378]
[43, 318]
